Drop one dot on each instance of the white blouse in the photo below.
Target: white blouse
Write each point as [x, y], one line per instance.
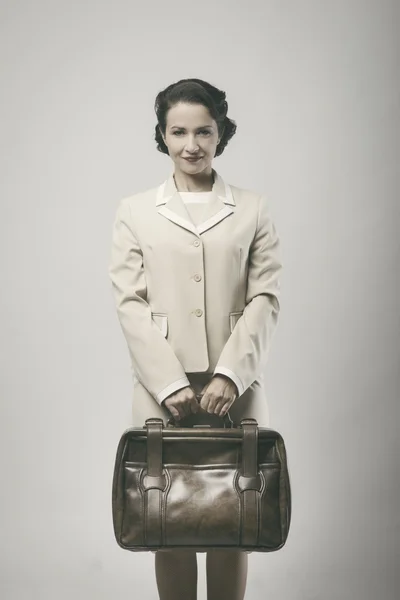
[195, 203]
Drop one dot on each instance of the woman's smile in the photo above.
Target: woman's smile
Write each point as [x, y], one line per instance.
[192, 158]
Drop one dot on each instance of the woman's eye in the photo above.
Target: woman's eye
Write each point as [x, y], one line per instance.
[203, 132]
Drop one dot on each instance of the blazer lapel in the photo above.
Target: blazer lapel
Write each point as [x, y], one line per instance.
[170, 204]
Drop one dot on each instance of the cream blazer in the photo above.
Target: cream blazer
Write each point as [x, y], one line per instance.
[195, 299]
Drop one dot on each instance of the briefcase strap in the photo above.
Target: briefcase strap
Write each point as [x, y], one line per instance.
[154, 484]
[249, 484]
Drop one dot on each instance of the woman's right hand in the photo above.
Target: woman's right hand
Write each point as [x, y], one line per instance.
[182, 403]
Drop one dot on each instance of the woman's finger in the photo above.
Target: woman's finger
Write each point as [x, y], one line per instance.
[194, 405]
[184, 409]
[174, 413]
[213, 402]
[221, 406]
[204, 401]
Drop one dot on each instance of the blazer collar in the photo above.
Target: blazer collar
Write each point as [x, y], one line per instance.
[170, 204]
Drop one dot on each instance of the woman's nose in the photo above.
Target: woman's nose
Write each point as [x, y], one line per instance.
[191, 145]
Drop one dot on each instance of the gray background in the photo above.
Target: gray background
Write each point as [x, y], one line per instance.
[314, 89]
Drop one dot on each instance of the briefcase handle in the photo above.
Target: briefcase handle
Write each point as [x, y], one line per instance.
[210, 420]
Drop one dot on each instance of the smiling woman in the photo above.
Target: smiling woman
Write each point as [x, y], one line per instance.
[195, 270]
[196, 143]
[193, 128]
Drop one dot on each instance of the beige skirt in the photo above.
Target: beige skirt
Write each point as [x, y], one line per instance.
[252, 403]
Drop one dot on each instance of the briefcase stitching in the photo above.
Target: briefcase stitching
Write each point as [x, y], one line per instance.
[206, 467]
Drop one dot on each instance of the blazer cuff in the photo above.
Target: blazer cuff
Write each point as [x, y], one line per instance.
[171, 388]
[231, 375]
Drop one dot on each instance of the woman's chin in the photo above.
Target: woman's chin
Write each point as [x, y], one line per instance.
[193, 167]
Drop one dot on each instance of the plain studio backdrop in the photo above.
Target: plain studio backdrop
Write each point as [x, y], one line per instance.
[314, 89]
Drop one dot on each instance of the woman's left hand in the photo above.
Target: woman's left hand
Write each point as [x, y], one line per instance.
[218, 395]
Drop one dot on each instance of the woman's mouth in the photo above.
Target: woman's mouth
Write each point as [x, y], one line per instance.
[192, 158]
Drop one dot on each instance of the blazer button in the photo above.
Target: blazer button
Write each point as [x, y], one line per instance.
[198, 312]
[196, 243]
[197, 277]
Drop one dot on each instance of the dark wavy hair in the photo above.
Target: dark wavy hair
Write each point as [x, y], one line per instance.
[194, 91]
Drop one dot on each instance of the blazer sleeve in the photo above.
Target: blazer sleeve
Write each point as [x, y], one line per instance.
[153, 361]
[246, 350]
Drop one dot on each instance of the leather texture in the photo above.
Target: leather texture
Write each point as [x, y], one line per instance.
[201, 487]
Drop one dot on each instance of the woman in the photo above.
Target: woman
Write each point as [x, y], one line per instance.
[195, 272]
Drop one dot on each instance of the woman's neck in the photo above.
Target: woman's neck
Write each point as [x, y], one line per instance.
[201, 182]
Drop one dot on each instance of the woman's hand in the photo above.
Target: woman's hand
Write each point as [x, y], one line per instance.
[219, 395]
[182, 403]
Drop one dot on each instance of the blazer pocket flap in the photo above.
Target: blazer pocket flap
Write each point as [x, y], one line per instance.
[161, 320]
[233, 318]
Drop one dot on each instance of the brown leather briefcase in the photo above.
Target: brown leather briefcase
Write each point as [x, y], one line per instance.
[201, 487]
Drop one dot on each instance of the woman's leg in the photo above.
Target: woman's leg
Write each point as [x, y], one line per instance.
[226, 574]
[176, 574]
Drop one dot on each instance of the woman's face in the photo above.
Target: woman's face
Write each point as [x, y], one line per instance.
[191, 133]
